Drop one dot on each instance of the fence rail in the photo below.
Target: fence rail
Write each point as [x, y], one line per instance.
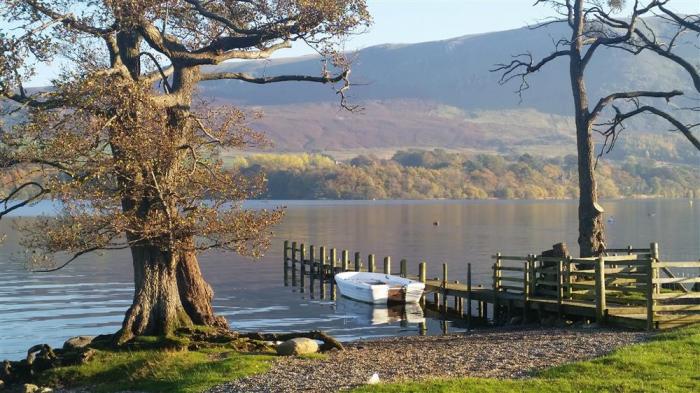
[624, 286]
[636, 279]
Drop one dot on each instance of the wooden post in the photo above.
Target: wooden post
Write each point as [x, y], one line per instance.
[569, 267]
[387, 265]
[322, 262]
[371, 267]
[533, 274]
[345, 260]
[302, 266]
[312, 260]
[444, 287]
[652, 287]
[334, 260]
[469, 295]
[286, 254]
[294, 254]
[403, 268]
[358, 262]
[526, 289]
[654, 253]
[334, 271]
[422, 277]
[322, 270]
[312, 263]
[497, 274]
[560, 286]
[600, 306]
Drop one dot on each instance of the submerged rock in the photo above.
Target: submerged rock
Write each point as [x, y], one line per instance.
[297, 346]
[78, 342]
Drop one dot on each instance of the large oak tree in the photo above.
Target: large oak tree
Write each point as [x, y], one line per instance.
[119, 143]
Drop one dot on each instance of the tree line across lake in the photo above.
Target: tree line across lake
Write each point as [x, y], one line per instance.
[424, 174]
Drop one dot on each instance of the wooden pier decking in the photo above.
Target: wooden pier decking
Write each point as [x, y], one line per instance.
[633, 290]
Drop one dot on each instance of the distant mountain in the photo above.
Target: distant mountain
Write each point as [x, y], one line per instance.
[441, 94]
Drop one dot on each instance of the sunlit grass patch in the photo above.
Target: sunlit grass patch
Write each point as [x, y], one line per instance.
[159, 370]
[668, 363]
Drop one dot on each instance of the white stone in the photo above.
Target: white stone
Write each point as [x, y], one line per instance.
[374, 379]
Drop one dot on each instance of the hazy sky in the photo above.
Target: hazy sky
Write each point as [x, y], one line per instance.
[408, 21]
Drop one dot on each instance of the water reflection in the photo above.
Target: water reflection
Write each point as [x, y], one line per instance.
[379, 314]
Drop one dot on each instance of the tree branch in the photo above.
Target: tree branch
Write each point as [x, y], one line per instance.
[521, 69]
[657, 48]
[246, 77]
[616, 125]
[693, 25]
[603, 102]
[69, 20]
[7, 199]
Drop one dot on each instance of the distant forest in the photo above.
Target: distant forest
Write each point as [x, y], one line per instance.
[423, 174]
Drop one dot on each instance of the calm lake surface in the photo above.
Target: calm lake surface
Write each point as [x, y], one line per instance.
[90, 296]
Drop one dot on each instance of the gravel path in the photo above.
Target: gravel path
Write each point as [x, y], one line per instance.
[491, 353]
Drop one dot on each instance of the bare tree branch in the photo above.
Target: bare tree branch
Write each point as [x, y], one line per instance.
[603, 102]
[246, 77]
[5, 201]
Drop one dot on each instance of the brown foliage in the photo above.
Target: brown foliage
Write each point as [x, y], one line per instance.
[134, 167]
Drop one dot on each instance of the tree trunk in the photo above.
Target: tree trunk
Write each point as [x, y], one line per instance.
[590, 216]
[156, 309]
[169, 293]
[590, 219]
[195, 294]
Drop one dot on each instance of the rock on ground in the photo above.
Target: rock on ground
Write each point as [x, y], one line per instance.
[297, 346]
[494, 353]
[78, 342]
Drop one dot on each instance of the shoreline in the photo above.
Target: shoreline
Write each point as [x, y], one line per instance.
[500, 353]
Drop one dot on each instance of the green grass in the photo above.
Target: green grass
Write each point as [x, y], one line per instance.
[668, 363]
[159, 370]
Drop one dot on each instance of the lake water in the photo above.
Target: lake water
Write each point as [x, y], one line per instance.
[90, 296]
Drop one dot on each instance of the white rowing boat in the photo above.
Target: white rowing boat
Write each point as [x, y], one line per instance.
[378, 288]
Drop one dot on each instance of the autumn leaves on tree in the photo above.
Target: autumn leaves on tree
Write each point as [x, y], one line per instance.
[118, 143]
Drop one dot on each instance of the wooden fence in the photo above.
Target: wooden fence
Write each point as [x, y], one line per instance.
[627, 288]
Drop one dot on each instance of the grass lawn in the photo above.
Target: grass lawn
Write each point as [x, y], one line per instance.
[668, 363]
[159, 370]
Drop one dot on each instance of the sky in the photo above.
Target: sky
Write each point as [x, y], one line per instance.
[410, 21]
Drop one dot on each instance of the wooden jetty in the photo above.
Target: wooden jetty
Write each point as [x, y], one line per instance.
[627, 287]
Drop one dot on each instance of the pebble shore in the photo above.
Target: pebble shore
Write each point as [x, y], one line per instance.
[509, 353]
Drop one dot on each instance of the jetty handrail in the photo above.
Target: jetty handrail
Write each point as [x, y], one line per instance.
[608, 287]
[602, 280]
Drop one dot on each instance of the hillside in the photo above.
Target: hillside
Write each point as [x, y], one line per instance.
[440, 94]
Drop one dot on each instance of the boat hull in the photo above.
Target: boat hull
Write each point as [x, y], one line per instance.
[377, 288]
